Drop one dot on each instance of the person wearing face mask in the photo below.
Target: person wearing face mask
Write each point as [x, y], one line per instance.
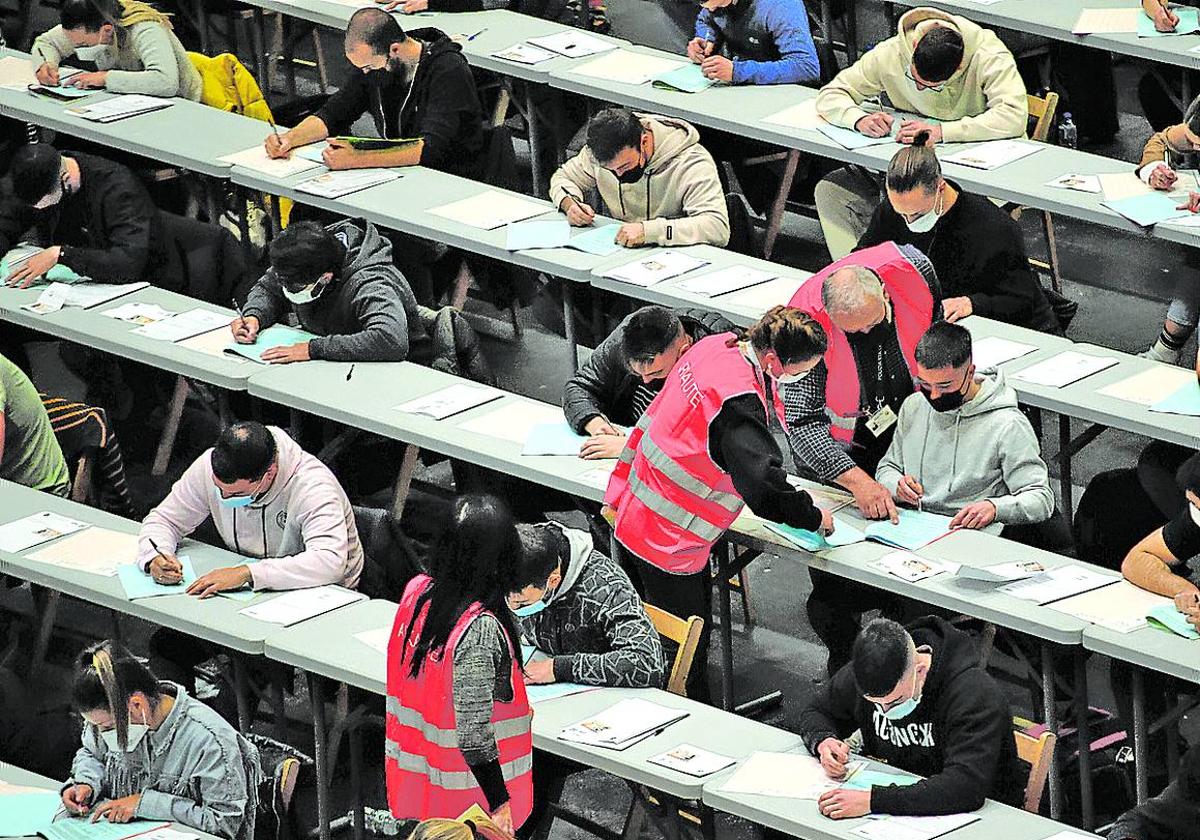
[132, 44]
[957, 77]
[924, 705]
[701, 452]
[963, 448]
[652, 174]
[150, 751]
[414, 85]
[341, 284]
[976, 249]
[625, 372]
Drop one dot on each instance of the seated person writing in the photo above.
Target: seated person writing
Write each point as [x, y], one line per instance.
[152, 752]
[1172, 815]
[414, 85]
[578, 606]
[754, 42]
[341, 284]
[652, 174]
[29, 451]
[87, 213]
[132, 44]
[624, 374]
[923, 705]
[962, 447]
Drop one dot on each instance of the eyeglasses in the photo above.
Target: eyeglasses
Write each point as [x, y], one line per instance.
[924, 85]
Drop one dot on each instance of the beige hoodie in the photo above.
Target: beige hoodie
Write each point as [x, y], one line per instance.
[678, 198]
[983, 100]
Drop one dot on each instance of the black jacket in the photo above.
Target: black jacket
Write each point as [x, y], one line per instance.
[110, 230]
[605, 385]
[960, 737]
[1172, 815]
[978, 252]
[441, 106]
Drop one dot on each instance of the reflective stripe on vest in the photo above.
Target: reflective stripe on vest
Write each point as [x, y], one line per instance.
[448, 738]
[686, 481]
[452, 779]
[673, 513]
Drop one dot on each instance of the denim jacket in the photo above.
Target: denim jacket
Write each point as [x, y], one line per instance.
[195, 769]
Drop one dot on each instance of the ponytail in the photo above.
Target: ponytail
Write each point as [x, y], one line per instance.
[106, 676]
[793, 334]
[915, 166]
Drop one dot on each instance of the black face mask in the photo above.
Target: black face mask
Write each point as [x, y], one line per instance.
[948, 401]
[634, 175]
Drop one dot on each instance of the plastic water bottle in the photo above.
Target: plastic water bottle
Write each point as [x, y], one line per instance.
[1068, 134]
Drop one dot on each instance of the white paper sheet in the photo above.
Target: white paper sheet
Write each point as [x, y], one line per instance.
[1079, 183]
[993, 154]
[692, 761]
[346, 181]
[87, 295]
[120, 107]
[16, 73]
[376, 639]
[573, 44]
[992, 351]
[908, 566]
[788, 775]
[95, 550]
[1063, 369]
[491, 209]
[1059, 583]
[514, 420]
[1002, 572]
[622, 724]
[1149, 386]
[256, 158]
[1122, 607]
[52, 299]
[25, 533]
[185, 325]
[524, 54]
[803, 115]
[139, 313]
[302, 604]
[654, 269]
[627, 67]
[1118, 185]
[1108, 21]
[730, 279]
[598, 477]
[449, 401]
[912, 828]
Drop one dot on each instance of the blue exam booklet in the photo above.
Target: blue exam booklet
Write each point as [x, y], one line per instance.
[1149, 209]
[843, 534]
[686, 79]
[597, 241]
[25, 814]
[540, 233]
[276, 335]
[1184, 401]
[915, 530]
[1166, 617]
[1189, 23]
[140, 585]
[553, 439]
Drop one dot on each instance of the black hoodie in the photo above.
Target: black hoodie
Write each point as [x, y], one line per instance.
[960, 737]
[441, 106]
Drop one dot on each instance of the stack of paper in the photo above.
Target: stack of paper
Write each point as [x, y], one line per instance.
[1150, 386]
[276, 335]
[302, 604]
[687, 78]
[120, 107]
[1061, 370]
[139, 585]
[786, 775]
[627, 67]
[692, 761]
[25, 533]
[910, 567]
[654, 269]
[916, 529]
[514, 420]
[622, 725]
[1185, 401]
[723, 281]
[257, 159]
[344, 182]
[491, 209]
[212, 343]
[597, 241]
[912, 828]
[1059, 583]
[82, 828]
[539, 233]
[1166, 617]
[573, 44]
[87, 295]
[993, 154]
[95, 550]
[1189, 23]
[524, 54]
[556, 438]
[1122, 606]
[1002, 572]
[992, 351]
[1107, 21]
[843, 534]
[450, 401]
[184, 325]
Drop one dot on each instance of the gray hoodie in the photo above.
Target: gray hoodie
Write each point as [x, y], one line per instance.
[984, 450]
[195, 769]
[368, 313]
[594, 624]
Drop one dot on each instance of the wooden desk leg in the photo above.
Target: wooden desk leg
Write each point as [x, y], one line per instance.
[316, 694]
[779, 205]
[1050, 717]
[1141, 771]
[1084, 738]
[166, 443]
[408, 466]
[569, 323]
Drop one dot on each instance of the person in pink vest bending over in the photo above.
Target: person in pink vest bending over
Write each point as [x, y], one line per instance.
[875, 305]
[458, 719]
[701, 452]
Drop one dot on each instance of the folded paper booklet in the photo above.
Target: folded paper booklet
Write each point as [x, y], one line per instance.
[538, 233]
[185, 325]
[843, 534]
[256, 159]
[276, 335]
[1079, 183]
[22, 534]
[994, 153]
[344, 182]
[733, 278]
[850, 139]
[98, 551]
[376, 639]
[916, 529]
[302, 604]
[910, 567]
[1057, 584]
[1108, 21]
[1166, 617]
[573, 44]
[685, 79]
[120, 107]
[692, 761]
[1149, 209]
[1064, 369]
[513, 420]
[1151, 386]
[622, 725]
[25, 812]
[992, 351]
[449, 401]
[16, 73]
[627, 67]
[524, 54]
[491, 209]
[654, 269]
[1122, 607]
[912, 828]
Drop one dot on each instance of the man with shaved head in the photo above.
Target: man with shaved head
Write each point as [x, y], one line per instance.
[415, 85]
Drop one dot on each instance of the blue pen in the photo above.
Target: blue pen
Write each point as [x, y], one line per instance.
[476, 35]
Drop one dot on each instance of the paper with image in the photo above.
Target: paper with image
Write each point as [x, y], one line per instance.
[346, 181]
[28, 531]
[654, 269]
[912, 828]
[276, 335]
[627, 67]
[87, 295]
[991, 351]
[1150, 386]
[692, 761]
[95, 550]
[52, 299]
[139, 313]
[1002, 572]
[912, 568]
[994, 153]
[514, 421]
[446, 402]
[524, 54]
[1059, 583]
[725, 280]
[1079, 183]
[120, 107]
[623, 724]
[491, 209]
[256, 158]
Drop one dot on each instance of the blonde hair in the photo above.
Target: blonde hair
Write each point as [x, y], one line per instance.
[468, 829]
[792, 333]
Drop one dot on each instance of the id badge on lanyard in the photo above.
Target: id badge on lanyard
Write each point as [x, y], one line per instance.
[882, 417]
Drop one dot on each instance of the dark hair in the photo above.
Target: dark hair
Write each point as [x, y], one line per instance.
[793, 334]
[89, 14]
[106, 676]
[944, 345]
[613, 130]
[938, 54]
[880, 657]
[36, 168]
[467, 567]
[243, 452]
[543, 548]
[914, 166]
[1189, 475]
[375, 28]
[648, 332]
[303, 252]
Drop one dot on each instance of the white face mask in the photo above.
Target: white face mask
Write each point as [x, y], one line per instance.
[1194, 512]
[137, 731]
[790, 378]
[306, 295]
[91, 53]
[927, 221]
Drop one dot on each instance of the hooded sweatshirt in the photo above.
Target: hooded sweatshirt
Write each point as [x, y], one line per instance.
[984, 450]
[1172, 815]
[678, 199]
[594, 624]
[301, 532]
[441, 106]
[983, 100]
[960, 736]
[367, 314]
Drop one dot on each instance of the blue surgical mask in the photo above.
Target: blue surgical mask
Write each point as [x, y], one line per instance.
[237, 501]
[530, 609]
[902, 710]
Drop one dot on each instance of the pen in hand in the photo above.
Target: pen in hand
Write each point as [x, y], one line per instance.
[176, 567]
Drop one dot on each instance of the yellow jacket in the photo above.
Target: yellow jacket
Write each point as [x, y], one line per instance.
[228, 85]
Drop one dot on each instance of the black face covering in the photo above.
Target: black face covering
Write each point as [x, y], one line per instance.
[632, 176]
[948, 401]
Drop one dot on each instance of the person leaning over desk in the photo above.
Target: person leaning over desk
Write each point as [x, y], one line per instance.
[702, 451]
[131, 43]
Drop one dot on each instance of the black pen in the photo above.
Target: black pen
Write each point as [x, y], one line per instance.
[349, 373]
[477, 34]
[237, 307]
[159, 552]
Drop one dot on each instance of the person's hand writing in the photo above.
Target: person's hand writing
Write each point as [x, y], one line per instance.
[278, 146]
[717, 67]
[47, 75]
[339, 155]
[1163, 177]
[121, 810]
[1164, 19]
[245, 330]
[834, 755]
[540, 672]
[975, 516]
[287, 354]
[827, 523]
[502, 817]
[578, 213]
[76, 798]
[1188, 602]
[1192, 205]
[875, 502]
[87, 80]
[845, 804]
[909, 129]
[878, 124]
[600, 426]
[698, 49]
[24, 275]
[220, 580]
[166, 569]
[909, 490]
[631, 235]
[956, 308]
[599, 447]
